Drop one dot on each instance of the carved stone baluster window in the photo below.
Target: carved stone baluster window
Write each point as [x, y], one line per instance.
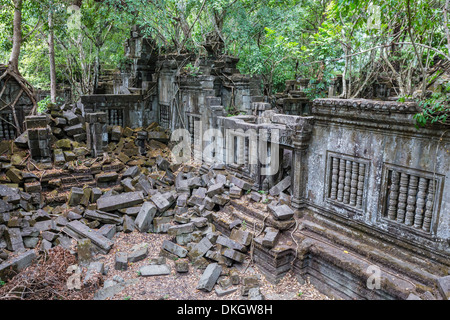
[411, 201]
[429, 207]
[334, 179]
[354, 183]
[347, 181]
[403, 191]
[393, 195]
[340, 194]
[420, 206]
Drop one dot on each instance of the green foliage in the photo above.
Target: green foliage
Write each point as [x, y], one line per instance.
[192, 70]
[435, 109]
[2, 283]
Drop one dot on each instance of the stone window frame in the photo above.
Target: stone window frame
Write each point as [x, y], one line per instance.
[328, 180]
[383, 202]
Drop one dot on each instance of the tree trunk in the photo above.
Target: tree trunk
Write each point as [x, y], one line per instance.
[17, 37]
[51, 55]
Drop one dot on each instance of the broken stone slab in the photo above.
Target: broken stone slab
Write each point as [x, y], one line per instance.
[241, 183]
[280, 187]
[143, 184]
[162, 163]
[241, 236]
[255, 294]
[182, 265]
[109, 291]
[175, 249]
[234, 255]
[155, 270]
[215, 189]
[127, 185]
[209, 277]
[220, 200]
[182, 200]
[229, 243]
[15, 265]
[138, 255]
[128, 224]
[282, 212]
[121, 261]
[145, 217]
[107, 177]
[270, 238]
[161, 224]
[161, 202]
[46, 225]
[78, 230]
[75, 130]
[121, 201]
[249, 282]
[181, 229]
[200, 222]
[133, 211]
[103, 217]
[444, 286]
[108, 231]
[14, 240]
[131, 172]
[200, 249]
[224, 292]
[235, 192]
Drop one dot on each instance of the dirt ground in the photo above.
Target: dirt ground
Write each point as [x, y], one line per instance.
[178, 286]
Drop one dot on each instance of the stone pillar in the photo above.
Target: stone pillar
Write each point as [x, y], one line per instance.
[299, 173]
[96, 130]
[38, 138]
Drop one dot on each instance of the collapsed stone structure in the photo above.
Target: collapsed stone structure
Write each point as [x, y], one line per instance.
[357, 187]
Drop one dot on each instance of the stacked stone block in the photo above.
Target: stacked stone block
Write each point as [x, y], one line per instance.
[96, 129]
[38, 138]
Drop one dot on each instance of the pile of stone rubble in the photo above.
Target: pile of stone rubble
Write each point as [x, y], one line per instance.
[129, 186]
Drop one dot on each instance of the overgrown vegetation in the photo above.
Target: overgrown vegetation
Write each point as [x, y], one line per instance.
[400, 44]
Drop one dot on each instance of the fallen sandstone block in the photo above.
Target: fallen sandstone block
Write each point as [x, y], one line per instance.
[121, 201]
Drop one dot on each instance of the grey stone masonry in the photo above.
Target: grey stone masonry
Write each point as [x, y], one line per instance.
[209, 277]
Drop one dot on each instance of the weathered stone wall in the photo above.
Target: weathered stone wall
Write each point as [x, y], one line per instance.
[124, 110]
[369, 167]
[23, 107]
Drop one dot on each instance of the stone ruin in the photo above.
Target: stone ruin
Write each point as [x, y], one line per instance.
[358, 190]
